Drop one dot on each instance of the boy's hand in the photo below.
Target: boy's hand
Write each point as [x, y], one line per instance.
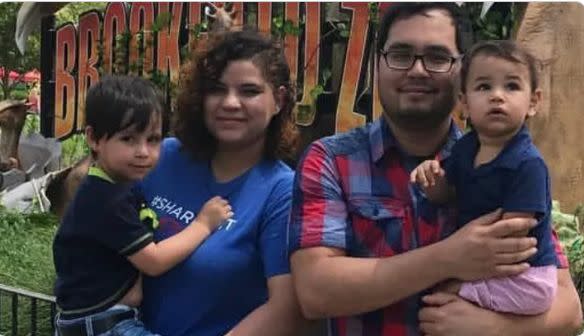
[214, 212]
[427, 173]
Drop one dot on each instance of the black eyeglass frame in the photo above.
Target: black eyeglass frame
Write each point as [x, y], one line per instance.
[453, 60]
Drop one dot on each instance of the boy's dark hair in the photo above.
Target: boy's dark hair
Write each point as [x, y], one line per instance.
[505, 49]
[118, 102]
[400, 11]
[202, 73]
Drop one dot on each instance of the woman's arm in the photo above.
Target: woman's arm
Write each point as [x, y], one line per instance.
[279, 316]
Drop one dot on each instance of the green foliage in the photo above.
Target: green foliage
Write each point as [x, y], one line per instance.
[569, 231]
[26, 261]
[281, 27]
[373, 14]
[579, 212]
[161, 21]
[305, 113]
[25, 252]
[18, 93]
[10, 57]
[31, 124]
[73, 149]
[199, 28]
[320, 88]
[71, 12]
[122, 47]
[497, 24]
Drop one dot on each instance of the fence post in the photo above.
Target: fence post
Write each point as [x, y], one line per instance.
[47, 112]
[33, 316]
[34, 298]
[14, 314]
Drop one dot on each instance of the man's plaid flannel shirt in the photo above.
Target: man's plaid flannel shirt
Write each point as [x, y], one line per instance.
[352, 192]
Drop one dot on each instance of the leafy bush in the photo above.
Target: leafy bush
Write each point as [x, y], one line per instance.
[26, 261]
[570, 234]
[26, 258]
[73, 149]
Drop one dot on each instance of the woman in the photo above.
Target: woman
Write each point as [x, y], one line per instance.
[233, 126]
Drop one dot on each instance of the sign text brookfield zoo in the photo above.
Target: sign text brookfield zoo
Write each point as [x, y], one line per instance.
[81, 49]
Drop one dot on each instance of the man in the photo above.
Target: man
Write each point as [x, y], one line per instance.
[366, 245]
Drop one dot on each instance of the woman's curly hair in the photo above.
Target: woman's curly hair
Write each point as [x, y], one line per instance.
[204, 70]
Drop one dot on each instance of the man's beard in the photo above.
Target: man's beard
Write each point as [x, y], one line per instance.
[421, 119]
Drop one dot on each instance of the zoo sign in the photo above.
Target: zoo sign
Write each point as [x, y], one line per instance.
[82, 51]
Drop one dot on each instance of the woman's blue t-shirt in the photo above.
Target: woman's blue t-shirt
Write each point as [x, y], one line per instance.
[226, 277]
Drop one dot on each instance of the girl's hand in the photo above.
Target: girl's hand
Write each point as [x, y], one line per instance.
[427, 173]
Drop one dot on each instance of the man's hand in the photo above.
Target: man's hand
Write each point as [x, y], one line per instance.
[449, 315]
[485, 248]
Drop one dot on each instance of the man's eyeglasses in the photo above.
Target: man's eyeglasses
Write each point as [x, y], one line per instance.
[403, 60]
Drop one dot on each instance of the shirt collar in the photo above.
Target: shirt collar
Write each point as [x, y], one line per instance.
[515, 150]
[99, 173]
[382, 140]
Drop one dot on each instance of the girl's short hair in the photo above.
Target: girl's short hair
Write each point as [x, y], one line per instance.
[205, 69]
[118, 102]
[504, 49]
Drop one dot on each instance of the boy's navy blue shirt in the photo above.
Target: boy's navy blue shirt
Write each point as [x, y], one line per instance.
[100, 229]
[517, 180]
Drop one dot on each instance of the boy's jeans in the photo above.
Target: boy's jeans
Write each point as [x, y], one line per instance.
[128, 327]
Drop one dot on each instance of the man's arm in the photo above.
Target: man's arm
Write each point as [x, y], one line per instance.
[328, 283]
[449, 315]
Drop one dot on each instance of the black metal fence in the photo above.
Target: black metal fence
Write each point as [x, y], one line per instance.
[24, 312]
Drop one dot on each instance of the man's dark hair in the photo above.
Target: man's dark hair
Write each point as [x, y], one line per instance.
[400, 11]
[118, 102]
[504, 49]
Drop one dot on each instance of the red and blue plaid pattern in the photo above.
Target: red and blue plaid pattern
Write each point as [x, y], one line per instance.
[352, 192]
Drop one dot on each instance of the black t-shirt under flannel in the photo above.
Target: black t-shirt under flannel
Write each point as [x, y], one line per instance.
[99, 230]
